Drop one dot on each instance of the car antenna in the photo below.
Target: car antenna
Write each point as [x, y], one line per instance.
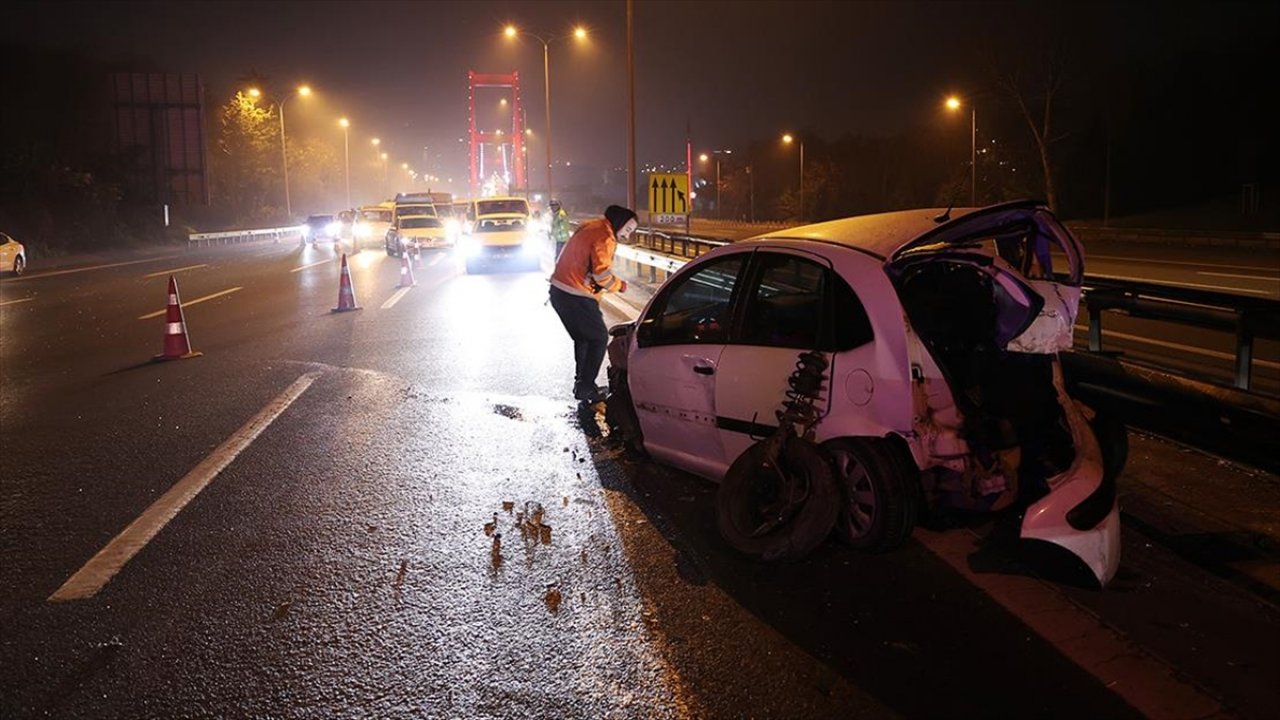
[946, 214]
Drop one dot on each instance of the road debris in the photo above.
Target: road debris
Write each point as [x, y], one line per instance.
[281, 610]
[553, 598]
[495, 554]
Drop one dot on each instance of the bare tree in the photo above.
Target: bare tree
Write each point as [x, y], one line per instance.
[1035, 85]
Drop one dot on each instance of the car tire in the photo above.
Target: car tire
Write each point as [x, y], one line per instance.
[752, 484]
[19, 266]
[878, 487]
[620, 412]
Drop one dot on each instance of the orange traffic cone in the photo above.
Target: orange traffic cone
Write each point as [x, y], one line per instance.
[346, 293]
[176, 344]
[406, 273]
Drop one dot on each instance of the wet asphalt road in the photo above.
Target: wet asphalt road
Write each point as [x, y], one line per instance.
[339, 566]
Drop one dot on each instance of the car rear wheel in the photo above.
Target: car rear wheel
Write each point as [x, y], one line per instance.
[777, 516]
[19, 266]
[878, 487]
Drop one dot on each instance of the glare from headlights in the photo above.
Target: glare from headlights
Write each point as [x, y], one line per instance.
[363, 230]
[306, 231]
[333, 227]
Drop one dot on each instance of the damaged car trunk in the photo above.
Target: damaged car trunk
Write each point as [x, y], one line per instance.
[982, 297]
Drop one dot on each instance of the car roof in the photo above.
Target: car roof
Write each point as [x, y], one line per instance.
[319, 217]
[881, 234]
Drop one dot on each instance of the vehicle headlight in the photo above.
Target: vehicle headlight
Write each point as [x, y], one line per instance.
[452, 227]
[333, 228]
[306, 231]
[469, 246]
[363, 230]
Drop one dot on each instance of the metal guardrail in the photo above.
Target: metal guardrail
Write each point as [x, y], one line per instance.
[1249, 318]
[229, 237]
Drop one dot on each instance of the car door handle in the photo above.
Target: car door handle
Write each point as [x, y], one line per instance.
[704, 369]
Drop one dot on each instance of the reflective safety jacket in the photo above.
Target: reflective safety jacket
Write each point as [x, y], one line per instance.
[585, 266]
[560, 226]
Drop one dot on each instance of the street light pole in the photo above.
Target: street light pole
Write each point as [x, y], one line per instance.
[953, 103]
[304, 91]
[579, 33]
[973, 155]
[788, 139]
[546, 88]
[346, 154]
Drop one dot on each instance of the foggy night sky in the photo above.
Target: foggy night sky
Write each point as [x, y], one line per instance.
[734, 71]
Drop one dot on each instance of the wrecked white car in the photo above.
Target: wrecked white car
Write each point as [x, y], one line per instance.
[936, 380]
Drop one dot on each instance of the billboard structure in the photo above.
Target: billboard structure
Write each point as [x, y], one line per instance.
[158, 129]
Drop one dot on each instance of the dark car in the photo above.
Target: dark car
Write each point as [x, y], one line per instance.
[321, 227]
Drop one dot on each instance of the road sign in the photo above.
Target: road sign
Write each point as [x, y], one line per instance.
[668, 194]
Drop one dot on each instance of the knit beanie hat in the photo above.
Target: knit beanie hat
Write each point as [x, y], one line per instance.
[618, 216]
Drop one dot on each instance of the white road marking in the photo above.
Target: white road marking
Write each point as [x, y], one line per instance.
[1272, 278]
[1120, 664]
[1224, 288]
[33, 276]
[96, 573]
[1147, 261]
[187, 303]
[304, 267]
[395, 297]
[175, 270]
[15, 302]
[436, 260]
[1184, 348]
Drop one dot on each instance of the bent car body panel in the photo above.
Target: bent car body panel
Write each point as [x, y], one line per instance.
[1098, 547]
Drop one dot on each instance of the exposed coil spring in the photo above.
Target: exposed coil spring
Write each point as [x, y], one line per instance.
[804, 385]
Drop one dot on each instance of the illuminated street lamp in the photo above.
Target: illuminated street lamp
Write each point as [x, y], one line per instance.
[346, 154]
[384, 172]
[304, 91]
[579, 33]
[788, 139]
[704, 158]
[953, 104]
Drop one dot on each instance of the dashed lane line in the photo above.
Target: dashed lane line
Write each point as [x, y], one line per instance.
[15, 302]
[395, 297]
[1149, 261]
[1224, 288]
[311, 265]
[96, 573]
[1270, 278]
[175, 270]
[51, 273]
[1121, 665]
[187, 303]
[1177, 346]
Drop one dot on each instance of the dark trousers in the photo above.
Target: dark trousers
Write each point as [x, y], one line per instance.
[581, 316]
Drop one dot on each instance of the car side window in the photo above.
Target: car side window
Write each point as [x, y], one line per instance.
[696, 308]
[797, 303]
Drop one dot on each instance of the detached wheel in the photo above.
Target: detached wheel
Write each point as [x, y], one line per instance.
[766, 517]
[878, 489]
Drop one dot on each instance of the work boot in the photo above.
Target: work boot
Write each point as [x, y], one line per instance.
[590, 394]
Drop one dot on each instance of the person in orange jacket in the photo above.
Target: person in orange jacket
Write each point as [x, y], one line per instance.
[584, 272]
